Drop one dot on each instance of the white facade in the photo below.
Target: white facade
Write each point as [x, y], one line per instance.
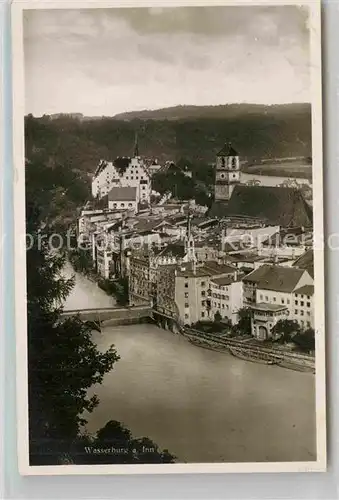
[226, 298]
[135, 175]
[123, 205]
[303, 308]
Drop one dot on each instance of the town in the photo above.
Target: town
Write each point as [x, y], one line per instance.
[252, 250]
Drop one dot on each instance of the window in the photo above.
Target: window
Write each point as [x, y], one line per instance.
[222, 176]
[137, 178]
[308, 313]
[308, 304]
[202, 314]
[227, 306]
[227, 297]
[203, 283]
[126, 177]
[223, 306]
[203, 293]
[223, 297]
[266, 298]
[308, 324]
[186, 295]
[283, 301]
[122, 205]
[186, 305]
[301, 313]
[274, 299]
[301, 303]
[203, 303]
[296, 302]
[296, 311]
[130, 205]
[288, 301]
[114, 205]
[186, 316]
[132, 178]
[308, 297]
[186, 285]
[302, 323]
[261, 297]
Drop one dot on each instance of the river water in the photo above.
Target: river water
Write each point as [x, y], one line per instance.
[271, 180]
[201, 405]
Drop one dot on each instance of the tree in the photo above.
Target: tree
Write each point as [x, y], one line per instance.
[217, 317]
[243, 326]
[285, 330]
[114, 444]
[305, 341]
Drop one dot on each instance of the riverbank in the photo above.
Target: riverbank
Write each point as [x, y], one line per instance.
[252, 352]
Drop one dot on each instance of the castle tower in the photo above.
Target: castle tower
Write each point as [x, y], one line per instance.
[227, 173]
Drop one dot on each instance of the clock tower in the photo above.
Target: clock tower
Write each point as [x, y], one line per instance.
[227, 172]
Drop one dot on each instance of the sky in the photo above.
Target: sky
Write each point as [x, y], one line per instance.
[107, 61]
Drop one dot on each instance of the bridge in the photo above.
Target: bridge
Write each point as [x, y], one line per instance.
[111, 315]
[114, 316]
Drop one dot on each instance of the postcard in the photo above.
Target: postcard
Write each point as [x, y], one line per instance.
[169, 239]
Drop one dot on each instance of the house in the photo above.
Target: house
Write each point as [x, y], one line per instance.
[274, 284]
[123, 198]
[306, 261]
[265, 317]
[227, 297]
[193, 293]
[303, 310]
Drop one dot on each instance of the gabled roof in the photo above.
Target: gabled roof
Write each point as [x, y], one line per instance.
[305, 261]
[127, 193]
[227, 280]
[277, 278]
[227, 150]
[281, 206]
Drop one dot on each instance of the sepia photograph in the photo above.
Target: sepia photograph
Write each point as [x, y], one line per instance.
[169, 237]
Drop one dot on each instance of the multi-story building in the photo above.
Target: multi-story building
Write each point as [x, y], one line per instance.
[227, 297]
[193, 292]
[303, 307]
[265, 317]
[123, 172]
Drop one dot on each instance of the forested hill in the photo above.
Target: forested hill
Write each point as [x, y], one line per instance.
[194, 133]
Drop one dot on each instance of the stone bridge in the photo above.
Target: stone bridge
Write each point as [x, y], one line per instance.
[112, 315]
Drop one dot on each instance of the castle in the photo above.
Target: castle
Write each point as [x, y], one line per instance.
[123, 172]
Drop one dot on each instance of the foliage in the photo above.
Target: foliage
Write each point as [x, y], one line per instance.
[285, 330]
[217, 317]
[305, 341]
[243, 326]
[119, 289]
[114, 444]
[81, 260]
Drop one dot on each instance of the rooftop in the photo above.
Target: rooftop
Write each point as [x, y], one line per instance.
[127, 193]
[227, 150]
[278, 278]
[305, 290]
[265, 306]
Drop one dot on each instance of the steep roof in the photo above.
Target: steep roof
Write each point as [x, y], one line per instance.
[306, 261]
[227, 150]
[277, 278]
[227, 280]
[281, 206]
[127, 193]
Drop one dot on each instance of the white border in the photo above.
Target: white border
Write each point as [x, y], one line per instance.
[20, 258]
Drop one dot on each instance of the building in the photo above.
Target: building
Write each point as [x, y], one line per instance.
[123, 198]
[272, 206]
[123, 172]
[303, 311]
[306, 261]
[227, 173]
[227, 297]
[265, 317]
[193, 293]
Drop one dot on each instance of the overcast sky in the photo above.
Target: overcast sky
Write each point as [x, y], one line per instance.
[107, 61]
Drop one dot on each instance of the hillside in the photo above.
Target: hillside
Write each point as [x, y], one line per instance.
[196, 134]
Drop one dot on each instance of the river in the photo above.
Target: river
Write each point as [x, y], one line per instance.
[271, 180]
[201, 405]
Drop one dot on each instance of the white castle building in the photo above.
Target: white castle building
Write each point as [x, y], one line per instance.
[123, 172]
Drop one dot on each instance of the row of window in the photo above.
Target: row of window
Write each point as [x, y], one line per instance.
[274, 299]
[218, 296]
[221, 306]
[308, 304]
[302, 296]
[301, 312]
[122, 205]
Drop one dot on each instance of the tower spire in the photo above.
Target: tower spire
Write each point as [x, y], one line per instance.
[136, 146]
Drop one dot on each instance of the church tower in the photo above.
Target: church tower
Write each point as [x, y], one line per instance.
[227, 173]
[136, 146]
[189, 242]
